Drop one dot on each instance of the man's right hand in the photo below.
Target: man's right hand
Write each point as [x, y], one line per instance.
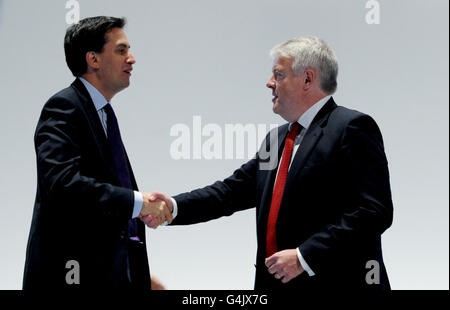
[158, 209]
[152, 221]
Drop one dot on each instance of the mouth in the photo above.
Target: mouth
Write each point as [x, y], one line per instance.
[275, 97]
[128, 72]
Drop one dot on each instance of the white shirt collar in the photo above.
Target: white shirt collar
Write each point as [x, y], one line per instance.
[306, 119]
[98, 99]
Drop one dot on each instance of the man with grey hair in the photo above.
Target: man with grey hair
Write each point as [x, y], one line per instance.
[322, 209]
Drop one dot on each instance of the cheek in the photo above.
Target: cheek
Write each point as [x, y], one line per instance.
[290, 92]
[280, 90]
[285, 93]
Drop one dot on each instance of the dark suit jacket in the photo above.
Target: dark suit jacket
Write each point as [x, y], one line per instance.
[335, 206]
[80, 212]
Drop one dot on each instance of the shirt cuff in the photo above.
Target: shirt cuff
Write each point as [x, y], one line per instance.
[175, 208]
[174, 212]
[138, 202]
[304, 264]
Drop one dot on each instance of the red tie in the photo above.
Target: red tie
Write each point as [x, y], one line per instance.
[271, 241]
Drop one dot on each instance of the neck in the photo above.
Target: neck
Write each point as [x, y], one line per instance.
[309, 100]
[92, 78]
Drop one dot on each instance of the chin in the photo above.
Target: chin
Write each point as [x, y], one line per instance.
[286, 118]
[124, 85]
[280, 112]
[282, 115]
[276, 108]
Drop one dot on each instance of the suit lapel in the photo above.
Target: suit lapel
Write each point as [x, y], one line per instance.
[313, 135]
[95, 125]
[133, 180]
[307, 145]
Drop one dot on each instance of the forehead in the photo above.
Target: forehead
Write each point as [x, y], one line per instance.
[116, 36]
[282, 63]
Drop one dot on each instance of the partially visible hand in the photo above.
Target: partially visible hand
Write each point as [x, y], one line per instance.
[156, 284]
[150, 220]
[161, 196]
[284, 265]
[157, 209]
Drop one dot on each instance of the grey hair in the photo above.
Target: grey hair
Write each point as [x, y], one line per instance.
[311, 52]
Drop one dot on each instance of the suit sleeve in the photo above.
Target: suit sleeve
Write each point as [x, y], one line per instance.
[222, 198]
[364, 169]
[57, 142]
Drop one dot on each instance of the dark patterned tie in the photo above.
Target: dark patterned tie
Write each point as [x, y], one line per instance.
[119, 158]
[121, 167]
[117, 149]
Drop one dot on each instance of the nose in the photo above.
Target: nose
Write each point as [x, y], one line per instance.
[271, 83]
[131, 59]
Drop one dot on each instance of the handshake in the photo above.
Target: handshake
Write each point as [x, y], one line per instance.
[156, 210]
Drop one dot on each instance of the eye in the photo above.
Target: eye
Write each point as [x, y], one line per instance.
[122, 50]
[278, 75]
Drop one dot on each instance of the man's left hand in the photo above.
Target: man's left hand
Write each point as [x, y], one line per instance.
[284, 265]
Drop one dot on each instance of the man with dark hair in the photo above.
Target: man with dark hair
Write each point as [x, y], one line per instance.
[84, 232]
[88, 35]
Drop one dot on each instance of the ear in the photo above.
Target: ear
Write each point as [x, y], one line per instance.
[309, 78]
[92, 60]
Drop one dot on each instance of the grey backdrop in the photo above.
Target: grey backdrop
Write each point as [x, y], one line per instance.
[210, 58]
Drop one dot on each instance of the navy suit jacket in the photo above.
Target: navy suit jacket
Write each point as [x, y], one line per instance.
[80, 212]
[335, 206]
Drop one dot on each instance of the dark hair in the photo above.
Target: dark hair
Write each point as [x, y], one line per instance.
[88, 35]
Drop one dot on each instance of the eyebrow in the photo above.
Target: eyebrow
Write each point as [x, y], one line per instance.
[123, 45]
